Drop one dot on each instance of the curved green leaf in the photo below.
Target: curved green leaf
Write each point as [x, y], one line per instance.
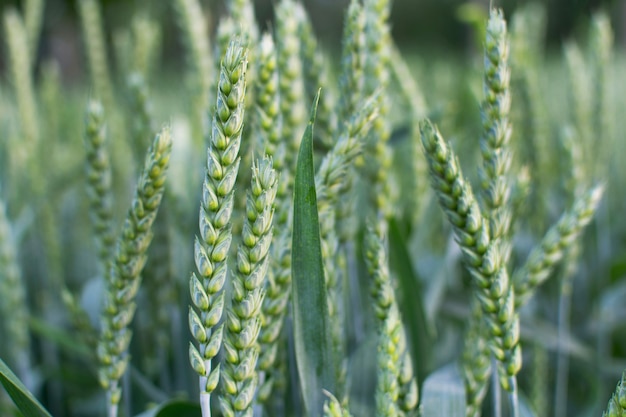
[310, 311]
[420, 332]
[21, 396]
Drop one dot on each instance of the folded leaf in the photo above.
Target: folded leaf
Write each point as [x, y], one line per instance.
[21, 396]
[310, 311]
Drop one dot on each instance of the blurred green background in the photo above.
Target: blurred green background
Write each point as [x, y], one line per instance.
[425, 25]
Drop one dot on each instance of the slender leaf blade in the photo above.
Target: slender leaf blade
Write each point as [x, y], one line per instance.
[419, 330]
[21, 396]
[310, 311]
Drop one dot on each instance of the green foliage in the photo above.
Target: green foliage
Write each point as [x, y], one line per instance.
[310, 311]
[23, 398]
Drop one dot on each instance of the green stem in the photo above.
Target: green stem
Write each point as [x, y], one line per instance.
[496, 392]
[205, 399]
[562, 364]
[514, 398]
[112, 405]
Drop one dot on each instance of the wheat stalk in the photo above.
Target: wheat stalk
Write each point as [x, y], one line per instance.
[242, 12]
[351, 78]
[147, 38]
[482, 257]
[527, 27]
[124, 278]
[290, 73]
[617, 404]
[212, 247]
[316, 74]
[333, 408]
[241, 350]
[412, 95]
[21, 67]
[394, 359]
[33, 19]
[579, 96]
[350, 96]
[554, 244]
[601, 43]
[387, 391]
[376, 78]
[95, 48]
[142, 123]
[98, 173]
[272, 144]
[99, 194]
[193, 24]
[496, 190]
[13, 303]
[475, 362]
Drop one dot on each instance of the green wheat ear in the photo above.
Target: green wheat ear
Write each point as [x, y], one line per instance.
[95, 48]
[98, 170]
[192, 23]
[239, 377]
[352, 61]
[33, 19]
[130, 257]
[376, 78]
[242, 13]
[100, 200]
[527, 27]
[482, 255]
[476, 362]
[494, 142]
[617, 404]
[144, 40]
[316, 75]
[291, 77]
[211, 248]
[21, 69]
[350, 98]
[332, 407]
[272, 144]
[394, 360]
[412, 95]
[496, 192]
[555, 243]
[268, 118]
[601, 43]
[387, 391]
[141, 122]
[13, 303]
[579, 97]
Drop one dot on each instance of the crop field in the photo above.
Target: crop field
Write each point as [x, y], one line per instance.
[273, 227]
